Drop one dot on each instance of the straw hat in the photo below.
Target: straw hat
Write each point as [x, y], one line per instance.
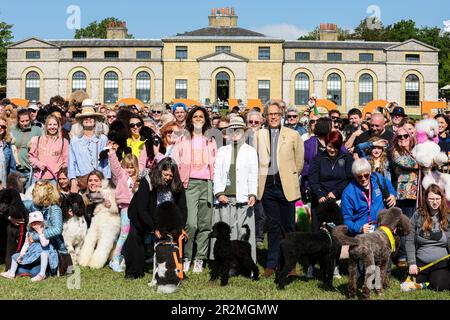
[237, 123]
[87, 110]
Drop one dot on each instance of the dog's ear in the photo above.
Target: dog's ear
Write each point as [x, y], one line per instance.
[403, 226]
[381, 216]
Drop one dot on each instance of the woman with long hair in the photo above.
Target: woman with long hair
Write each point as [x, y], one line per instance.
[407, 172]
[7, 160]
[49, 152]
[429, 240]
[377, 157]
[195, 154]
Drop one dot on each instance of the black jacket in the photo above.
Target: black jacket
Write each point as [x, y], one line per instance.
[143, 207]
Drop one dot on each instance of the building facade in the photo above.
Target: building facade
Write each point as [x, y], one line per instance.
[224, 61]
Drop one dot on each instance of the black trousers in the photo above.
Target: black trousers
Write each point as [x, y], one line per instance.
[134, 252]
[260, 220]
[282, 214]
[438, 276]
[14, 242]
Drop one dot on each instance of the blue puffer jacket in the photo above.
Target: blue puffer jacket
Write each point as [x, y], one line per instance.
[355, 207]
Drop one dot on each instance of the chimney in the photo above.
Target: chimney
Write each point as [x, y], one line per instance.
[117, 31]
[224, 18]
[328, 32]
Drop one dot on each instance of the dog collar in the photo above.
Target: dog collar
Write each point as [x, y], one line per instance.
[390, 236]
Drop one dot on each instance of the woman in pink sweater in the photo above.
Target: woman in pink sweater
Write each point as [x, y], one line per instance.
[49, 152]
[124, 175]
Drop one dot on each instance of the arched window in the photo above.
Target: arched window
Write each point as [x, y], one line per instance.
[334, 88]
[301, 89]
[32, 86]
[79, 81]
[365, 89]
[111, 88]
[143, 86]
[412, 90]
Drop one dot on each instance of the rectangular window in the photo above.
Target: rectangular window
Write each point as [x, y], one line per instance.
[143, 54]
[264, 53]
[226, 49]
[302, 56]
[79, 55]
[180, 89]
[264, 90]
[111, 54]
[33, 54]
[181, 53]
[366, 57]
[334, 56]
[412, 58]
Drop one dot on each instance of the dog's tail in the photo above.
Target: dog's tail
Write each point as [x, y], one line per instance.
[247, 232]
[340, 234]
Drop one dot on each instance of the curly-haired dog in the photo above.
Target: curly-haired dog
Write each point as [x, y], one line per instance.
[103, 232]
[118, 133]
[167, 262]
[75, 226]
[317, 246]
[373, 250]
[231, 253]
[12, 235]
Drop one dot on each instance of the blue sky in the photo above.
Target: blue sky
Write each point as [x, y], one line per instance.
[150, 19]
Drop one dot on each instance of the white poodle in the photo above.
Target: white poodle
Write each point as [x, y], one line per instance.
[428, 154]
[74, 233]
[103, 232]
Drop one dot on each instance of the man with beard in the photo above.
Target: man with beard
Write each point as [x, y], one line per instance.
[85, 148]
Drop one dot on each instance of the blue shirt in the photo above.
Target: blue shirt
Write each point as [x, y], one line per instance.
[84, 156]
[355, 207]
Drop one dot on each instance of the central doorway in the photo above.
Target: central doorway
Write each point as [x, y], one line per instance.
[223, 86]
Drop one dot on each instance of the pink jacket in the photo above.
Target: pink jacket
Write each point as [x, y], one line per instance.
[54, 154]
[182, 153]
[143, 159]
[120, 180]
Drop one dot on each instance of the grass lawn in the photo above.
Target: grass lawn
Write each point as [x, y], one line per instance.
[105, 284]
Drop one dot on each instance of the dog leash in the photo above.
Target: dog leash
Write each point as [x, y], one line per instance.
[332, 226]
[433, 263]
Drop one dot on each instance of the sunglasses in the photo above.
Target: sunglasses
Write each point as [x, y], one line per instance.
[32, 110]
[335, 118]
[292, 116]
[111, 117]
[364, 176]
[157, 112]
[403, 136]
[136, 124]
[253, 122]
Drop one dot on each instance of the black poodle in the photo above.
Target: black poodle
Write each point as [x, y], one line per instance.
[168, 266]
[151, 139]
[317, 246]
[73, 205]
[12, 234]
[118, 133]
[231, 253]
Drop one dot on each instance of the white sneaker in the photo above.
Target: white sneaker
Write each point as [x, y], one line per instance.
[336, 273]
[198, 266]
[310, 272]
[186, 265]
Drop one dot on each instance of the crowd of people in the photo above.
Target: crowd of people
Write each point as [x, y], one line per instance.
[246, 168]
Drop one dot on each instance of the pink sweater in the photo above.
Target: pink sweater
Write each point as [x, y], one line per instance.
[120, 180]
[143, 159]
[182, 154]
[54, 154]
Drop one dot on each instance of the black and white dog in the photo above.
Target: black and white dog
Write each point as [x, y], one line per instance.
[12, 233]
[167, 262]
[75, 226]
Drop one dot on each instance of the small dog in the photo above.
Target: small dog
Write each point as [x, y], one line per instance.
[12, 236]
[167, 262]
[373, 249]
[102, 233]
[317, 246]
[118, 133]
[231, 253]
[75, 226]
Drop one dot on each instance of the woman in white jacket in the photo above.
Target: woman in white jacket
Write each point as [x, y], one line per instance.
[236, 184]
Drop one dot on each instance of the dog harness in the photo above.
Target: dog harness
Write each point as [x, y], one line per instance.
[177, 256]
[390, 236]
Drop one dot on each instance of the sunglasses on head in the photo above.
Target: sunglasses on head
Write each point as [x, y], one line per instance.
[403, 136]
[253, 122]
[363, 176]
[136, 124]
[292, 116]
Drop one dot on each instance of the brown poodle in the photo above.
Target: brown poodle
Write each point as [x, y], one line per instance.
[373, 250]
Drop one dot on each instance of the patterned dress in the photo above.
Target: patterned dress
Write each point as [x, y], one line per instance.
[407, 169]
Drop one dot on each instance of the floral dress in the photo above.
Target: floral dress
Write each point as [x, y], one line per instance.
[407, 169]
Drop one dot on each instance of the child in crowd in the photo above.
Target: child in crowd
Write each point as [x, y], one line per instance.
[125, 176]
[33, 251]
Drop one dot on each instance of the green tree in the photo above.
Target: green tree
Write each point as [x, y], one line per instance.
[343, 34]
[402, 31]
[97, 30]
[363, 32]
[5, 40]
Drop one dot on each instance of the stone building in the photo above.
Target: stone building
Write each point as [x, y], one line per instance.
[224, 61]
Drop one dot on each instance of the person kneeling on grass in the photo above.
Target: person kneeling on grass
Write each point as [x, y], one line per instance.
[32, 251]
